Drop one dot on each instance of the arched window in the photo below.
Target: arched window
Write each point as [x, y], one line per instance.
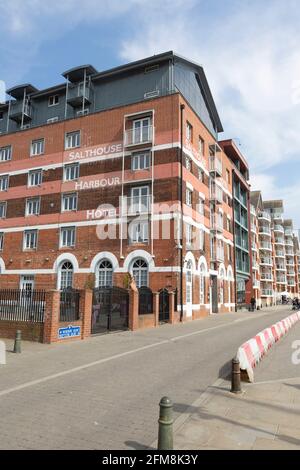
[140, 272]
[189, 283]
[202, 284]
[66, 275]
[105, 274]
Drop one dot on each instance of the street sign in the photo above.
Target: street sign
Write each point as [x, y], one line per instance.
[69, 332]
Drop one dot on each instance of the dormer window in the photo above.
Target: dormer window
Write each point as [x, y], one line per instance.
[53, 100]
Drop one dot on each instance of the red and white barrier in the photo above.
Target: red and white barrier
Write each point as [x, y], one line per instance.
[251, 352]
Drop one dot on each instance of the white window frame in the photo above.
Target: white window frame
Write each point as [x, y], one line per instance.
[72, 140]
[201, 146]
[68, 275]
[137, 202]
[140, 273]
[26, 238]
[30, 200]
[201, 205]
[189, 197]
[52, 120]
[35, 174]
[4, 182]
[139, 231]
[189, 131]
[188, 164]
[70, 229]
[5, 153]
[188, 234]
[141, 157]
[53, 98]
[104, 273]
[138, 133]
[4, 205]
[37, 147]
[69, 168]
[66, 199]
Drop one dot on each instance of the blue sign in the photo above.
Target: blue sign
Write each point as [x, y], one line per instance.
[69, 332]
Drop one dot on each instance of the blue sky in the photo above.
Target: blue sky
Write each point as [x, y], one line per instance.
[249, 49]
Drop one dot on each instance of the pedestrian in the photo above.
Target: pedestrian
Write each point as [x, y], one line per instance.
[253, 303]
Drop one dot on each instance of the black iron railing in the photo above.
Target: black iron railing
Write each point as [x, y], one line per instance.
[22, 305]
[69, 305]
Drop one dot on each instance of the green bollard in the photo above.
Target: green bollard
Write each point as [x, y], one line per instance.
[17, 346]
[165, 424]
[236, 376]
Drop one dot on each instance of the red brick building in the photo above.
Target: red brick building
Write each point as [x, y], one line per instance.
[92, 190]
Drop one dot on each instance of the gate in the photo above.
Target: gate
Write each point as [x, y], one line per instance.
[69, 305]
[164, 306]
[110, 309]
[145, 300]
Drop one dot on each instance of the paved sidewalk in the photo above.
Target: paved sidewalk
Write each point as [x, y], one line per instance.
[265, 416]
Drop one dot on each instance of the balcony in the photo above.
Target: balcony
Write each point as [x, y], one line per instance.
[139, 136]
[264, 216]
[291, 273]
[279, 241]
[281, 280]
[256, 284]
[291, 283]
[278, 228]
[217, 255]
[289, 252]
[289, 242]
[217, 224]
[255, 266]
[267, 293]
[215, 165]
[137, 205]
[288, 232]
[264, 230]
[20, 112]
[280, 267]
[254, 246]
[277, 216]
[279, 254]
[266, 262]
[252, 210]
[266, 277]
[216, 194]
[77, 94]
[265, 246]
[253, 228]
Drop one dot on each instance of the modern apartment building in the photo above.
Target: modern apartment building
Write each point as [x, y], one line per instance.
[241, 220]
[256, 207]
[118, 172]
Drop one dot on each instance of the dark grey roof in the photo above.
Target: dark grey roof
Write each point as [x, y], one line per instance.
[18, 91]
[76, 74]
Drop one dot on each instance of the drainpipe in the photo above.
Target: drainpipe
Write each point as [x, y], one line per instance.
[233, 232]
[181, 209]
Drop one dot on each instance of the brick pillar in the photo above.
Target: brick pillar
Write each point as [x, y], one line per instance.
[51, 316]
[171, 307]
[133, 319]
[86, 305]
[156, 308]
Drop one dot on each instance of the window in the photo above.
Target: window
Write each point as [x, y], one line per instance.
[140, 273]
[188, 234]
[188, 163]
[72, 140]
[53, 100]
[139, 199]
[189, 283]
[71, 172]
[140, 161]
[141, 131]
[138, 231]
[4, 182]
[189, 131]
[33, 206]
[2, 210]
[37, 147]
[201, 205]
[201, 146]
[105, 274]
[5, 153]
[35, 177]
[66, 275]
[189, 197]
[227, 176]
[67, 237]
[201, 175]
[1, 115]
[1, 241]
[30, 240]
[51, 120]
[69, 202]
[202, 284]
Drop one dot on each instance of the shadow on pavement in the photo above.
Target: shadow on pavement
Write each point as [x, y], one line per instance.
[137, 445]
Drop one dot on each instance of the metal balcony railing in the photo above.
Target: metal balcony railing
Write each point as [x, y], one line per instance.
[217, 223]
[264, 229]
[216, 193]
[217, 254]
[278, 228]
[264, 215]
[266, 277]
[265, 246]
[215, 165]
[139, 136]
[267, 261]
